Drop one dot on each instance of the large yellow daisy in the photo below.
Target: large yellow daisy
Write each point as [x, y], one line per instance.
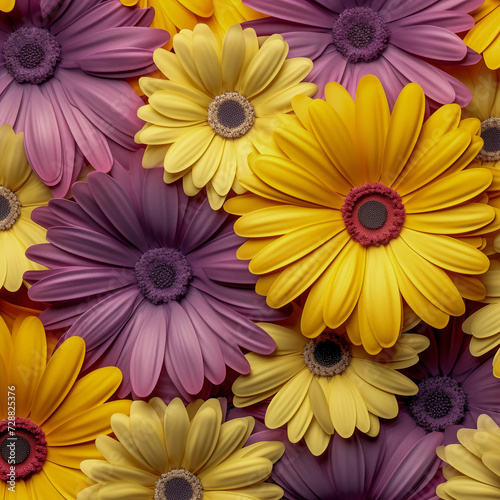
[175, 15]
[484, 37]
[21, 191]
[473, 467]
[366, 209]
[202, 121]
[48, 419]
[164, 452]
[326, 385]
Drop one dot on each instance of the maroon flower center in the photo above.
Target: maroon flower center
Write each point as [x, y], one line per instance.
[373, 214]
[23, 449]
[360, 34]
[163, 274]
[440, 402]
[31, 54]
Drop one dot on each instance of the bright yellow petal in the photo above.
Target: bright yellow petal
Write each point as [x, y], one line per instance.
[176, 428]
[342, 407]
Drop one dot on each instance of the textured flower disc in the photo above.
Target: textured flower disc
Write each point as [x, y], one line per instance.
[326, 385]
[21, 191]
[203, 121]
[368, 211]
[473, 466]
[57, 417]
[170, 452]
[484, 37]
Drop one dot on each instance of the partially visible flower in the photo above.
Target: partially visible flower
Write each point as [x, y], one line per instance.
[397, 41]
[484, 324]
[150, 279]
[484, 36]
[175, 15]
[398, 465]
[21, 191]
[454, 386]
[366, 210]
[171, 452]
[57, 417]
[485, 105]
[202, 122]
[324, 386]
[62, 82]
[473, 466]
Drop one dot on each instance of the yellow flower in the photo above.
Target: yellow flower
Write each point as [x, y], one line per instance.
[322, 386]
[52, 418]
[7, 5]
[485, 105]
[484, 37]
[201, 123]
[165, 452]
[367, 209]
[473, 467]
[484, 324]
[21, 191]
[175, 15]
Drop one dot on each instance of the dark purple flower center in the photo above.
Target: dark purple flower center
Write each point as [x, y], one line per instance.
[373, 214]
[360, 34]
[163, 274]
[22, 446]
[490, 133]
[231, 115]
[31, 54]
[10, 208]
[440, 402]
[178, 484]
[326, 356]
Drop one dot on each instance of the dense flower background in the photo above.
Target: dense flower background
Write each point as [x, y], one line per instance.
[249, 249]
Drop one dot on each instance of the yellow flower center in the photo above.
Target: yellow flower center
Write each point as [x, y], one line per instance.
[231, 115]
[178, 484]
[10, 208]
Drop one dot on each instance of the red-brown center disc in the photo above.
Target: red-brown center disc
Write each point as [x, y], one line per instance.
[373, 214]
[23, 449]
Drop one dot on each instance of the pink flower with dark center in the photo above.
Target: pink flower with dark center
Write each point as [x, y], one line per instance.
[63, 66]
[397, 41]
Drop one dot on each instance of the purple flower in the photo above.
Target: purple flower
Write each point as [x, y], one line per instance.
[149, 278]
[396, 40]
[63, 66]
[399, 464]
[454, 386]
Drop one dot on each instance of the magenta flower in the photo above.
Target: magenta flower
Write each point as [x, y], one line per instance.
[454, 386]
[396, 40]
[398, 464]
[62, 81]
[149, 278]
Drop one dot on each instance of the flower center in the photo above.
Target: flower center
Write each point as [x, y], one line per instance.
[231, 115]
[23, 449]
[373, 214]
[360, 34]
[10, 208]
[31, 54]
[490, 133]
[440, 402]
[178, 484]
[163, 274]
[327, 356]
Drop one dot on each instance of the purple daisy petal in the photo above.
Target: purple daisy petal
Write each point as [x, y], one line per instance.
[184, 349]
[456, 22]
[148, 352]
